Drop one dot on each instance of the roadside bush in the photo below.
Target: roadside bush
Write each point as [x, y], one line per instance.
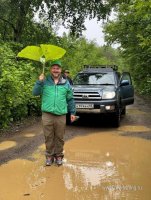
[16, 81]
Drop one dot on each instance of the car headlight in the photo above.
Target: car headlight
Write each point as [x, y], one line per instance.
[108, 95]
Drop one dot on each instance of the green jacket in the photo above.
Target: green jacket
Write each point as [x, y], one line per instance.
[56, 98]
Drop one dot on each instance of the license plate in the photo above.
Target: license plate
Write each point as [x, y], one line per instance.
[84, 106]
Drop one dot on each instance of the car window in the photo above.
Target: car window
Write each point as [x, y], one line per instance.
[126, 76]
[94, 79]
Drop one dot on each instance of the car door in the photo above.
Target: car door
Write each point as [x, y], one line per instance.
[126, 89]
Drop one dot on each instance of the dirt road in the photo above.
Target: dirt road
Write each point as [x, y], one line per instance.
[101, 162]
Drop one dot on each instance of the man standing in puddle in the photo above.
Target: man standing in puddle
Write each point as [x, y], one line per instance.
[57, 96]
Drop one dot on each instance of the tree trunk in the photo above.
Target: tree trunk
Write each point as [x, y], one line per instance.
[21, 19]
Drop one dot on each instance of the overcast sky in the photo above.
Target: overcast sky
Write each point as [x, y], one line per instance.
[93, 32]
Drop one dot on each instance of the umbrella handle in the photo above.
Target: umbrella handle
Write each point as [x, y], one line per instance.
[43, 69]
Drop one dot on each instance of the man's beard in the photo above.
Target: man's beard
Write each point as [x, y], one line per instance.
[56, 75]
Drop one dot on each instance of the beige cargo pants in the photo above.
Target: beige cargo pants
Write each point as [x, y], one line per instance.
[54, 130]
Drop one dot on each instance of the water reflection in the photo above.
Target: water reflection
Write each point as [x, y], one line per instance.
[29, 135]
[116, 171]
[87, 180]
[130, 128]
[84, 181]
[89, 175]
[7, 144]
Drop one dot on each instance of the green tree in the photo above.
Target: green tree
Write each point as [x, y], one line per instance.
[132, 30]
[17, 15]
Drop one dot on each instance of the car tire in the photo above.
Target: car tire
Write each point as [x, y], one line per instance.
[123, 111]
[116, 118]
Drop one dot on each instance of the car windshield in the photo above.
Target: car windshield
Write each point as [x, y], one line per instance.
[94, 79]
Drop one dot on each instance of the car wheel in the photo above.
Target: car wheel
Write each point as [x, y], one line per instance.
[116, 118]
[123, 111]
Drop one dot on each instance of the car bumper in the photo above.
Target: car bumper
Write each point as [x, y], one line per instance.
[108, 106]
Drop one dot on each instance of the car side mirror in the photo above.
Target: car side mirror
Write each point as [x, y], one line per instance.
[124, 83]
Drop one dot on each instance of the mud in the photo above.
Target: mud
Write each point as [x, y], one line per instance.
[101, 162]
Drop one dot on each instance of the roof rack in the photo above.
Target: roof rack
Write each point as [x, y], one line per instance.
[114, 67]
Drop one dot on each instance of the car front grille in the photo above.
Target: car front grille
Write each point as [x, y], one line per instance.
[87, 96]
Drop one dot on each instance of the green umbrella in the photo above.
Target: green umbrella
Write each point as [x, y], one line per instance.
[43, 53]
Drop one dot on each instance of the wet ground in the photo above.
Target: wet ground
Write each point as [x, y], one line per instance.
[101, 162]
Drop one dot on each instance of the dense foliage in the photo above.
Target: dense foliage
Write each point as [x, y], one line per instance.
[17, 16]
[16, 81]
[132, 30]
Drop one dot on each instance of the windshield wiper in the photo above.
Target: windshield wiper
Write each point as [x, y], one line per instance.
[95, 84]
[107, 84]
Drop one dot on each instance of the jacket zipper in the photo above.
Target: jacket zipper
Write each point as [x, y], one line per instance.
[55, 98]
[56, 95]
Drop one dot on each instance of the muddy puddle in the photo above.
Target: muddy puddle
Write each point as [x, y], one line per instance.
[100, 165]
